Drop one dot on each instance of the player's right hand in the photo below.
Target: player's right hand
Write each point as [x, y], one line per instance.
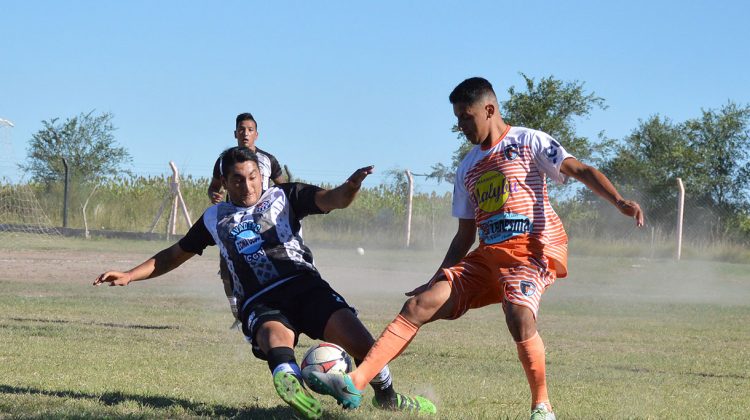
[359, 175]
[114, 278]
[632, 209]
[216, 197]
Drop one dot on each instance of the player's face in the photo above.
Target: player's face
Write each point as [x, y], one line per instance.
[473, 121]
[246, 134]
[243, 183]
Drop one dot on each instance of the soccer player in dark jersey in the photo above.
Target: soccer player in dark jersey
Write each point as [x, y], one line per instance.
[279, 291]
[246, 133]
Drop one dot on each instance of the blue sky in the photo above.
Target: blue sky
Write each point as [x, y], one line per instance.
[337, 85]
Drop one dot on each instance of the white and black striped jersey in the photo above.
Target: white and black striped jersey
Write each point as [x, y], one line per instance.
[262, 245]
[267, 163]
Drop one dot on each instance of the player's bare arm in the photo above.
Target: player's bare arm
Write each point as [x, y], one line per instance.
[343, 195]
[461, 244]
[163, 262]
[214, 191]
[600, 184]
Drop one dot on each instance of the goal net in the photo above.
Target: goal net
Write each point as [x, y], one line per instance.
[20, 210]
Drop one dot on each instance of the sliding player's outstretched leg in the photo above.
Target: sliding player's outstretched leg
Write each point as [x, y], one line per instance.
[273, 342]
[291, 390]
[430, 303]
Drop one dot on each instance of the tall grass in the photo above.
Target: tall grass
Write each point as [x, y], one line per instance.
[376, 218]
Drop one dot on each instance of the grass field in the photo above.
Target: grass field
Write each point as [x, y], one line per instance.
[625, 337]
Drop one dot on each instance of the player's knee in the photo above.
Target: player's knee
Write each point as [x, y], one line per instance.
[418, 310]
[273, 334]
[521, 322]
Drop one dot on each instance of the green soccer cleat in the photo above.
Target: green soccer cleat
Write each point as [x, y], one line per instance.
[293, 393]
[415, 405]
[337, 385]
[541, 412]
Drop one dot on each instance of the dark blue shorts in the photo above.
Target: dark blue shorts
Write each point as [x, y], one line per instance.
[303, 304]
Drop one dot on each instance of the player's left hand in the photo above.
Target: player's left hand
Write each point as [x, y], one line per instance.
[216, 197]
[425, 286]
[418, 290]
[632, 209]
[114, 278]
[359, 175]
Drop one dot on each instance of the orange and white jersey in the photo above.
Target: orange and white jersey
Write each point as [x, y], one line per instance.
[504, 188]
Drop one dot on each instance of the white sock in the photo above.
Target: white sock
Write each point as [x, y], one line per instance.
[292, 368]
[383, 379]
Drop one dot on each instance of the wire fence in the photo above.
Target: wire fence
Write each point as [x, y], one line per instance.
[378, 216]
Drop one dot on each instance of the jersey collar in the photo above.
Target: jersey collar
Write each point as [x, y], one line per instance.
[499, 139]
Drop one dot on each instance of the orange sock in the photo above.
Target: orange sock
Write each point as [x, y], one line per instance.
[395, 338]
[531, 354]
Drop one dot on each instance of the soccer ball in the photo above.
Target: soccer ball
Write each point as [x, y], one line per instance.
[325, 357]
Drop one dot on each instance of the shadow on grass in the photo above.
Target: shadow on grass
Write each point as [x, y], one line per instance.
[698, 374]
[101, 324]
[156, 402]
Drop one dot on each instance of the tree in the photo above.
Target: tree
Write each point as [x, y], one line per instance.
[86, 141]
[644, 166]
[550, 105]
[654, 154]
[711, 154]
[722, 140]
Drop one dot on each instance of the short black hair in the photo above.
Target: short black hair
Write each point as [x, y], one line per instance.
[471, 90]
[236, 155]
[245, 116]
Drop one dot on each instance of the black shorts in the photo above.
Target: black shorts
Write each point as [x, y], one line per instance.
[303, 304]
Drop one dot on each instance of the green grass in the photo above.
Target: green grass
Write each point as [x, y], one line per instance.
[625, 338]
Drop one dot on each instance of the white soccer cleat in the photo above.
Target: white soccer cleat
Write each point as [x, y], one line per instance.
[541, 412]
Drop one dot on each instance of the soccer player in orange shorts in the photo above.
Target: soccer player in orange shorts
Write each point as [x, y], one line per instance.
[501, 191]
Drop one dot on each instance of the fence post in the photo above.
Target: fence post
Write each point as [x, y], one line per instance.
[178, 196]
[65, 193]
[408, 206]
[175, 197]
[680, 208]
[432, 219]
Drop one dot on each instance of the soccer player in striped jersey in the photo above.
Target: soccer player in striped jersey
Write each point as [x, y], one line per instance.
[280, 292]
[246, 134]
[501, 192]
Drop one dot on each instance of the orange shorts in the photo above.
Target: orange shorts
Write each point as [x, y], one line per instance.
[490, 275]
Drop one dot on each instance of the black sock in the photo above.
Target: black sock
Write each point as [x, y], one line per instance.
[384, 392]
[281, 355]
[385, 396]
